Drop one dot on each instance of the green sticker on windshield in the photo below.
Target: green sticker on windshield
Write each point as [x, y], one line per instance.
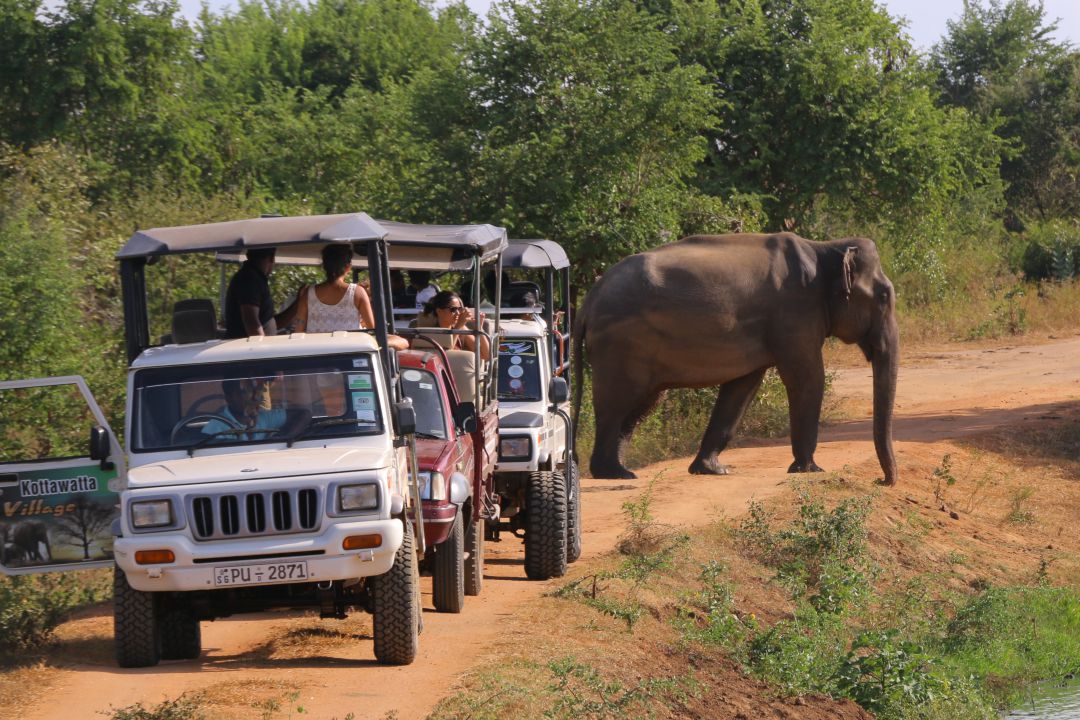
[360, 381]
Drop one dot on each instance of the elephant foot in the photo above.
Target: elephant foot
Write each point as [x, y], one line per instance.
[612, 472]
[709, 466]
[804, 467]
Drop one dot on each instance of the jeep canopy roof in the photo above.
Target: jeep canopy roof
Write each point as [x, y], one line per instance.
[535, 254]
[239, 235]
[410, 247]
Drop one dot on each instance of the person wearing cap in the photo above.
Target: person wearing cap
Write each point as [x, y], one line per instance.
[249, 307]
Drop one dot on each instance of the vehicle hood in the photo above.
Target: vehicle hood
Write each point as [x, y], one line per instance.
[431, 453]
[292, 462]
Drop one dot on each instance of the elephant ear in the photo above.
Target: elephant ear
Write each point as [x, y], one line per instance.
[847, 271]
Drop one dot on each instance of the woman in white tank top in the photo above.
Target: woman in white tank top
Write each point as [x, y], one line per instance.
[335, 304]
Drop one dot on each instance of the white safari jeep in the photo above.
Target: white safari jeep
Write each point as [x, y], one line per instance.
[536, 477]
[270, 471]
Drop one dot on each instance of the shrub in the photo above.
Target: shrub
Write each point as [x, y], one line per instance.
[31, 606]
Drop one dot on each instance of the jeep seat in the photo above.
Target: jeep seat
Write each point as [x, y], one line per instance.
[194, 321]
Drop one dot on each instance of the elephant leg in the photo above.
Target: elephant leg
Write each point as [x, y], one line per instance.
[804, 379]
[731, 403]
[618, 406]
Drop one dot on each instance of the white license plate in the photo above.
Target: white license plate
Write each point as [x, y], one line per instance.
[260, 574]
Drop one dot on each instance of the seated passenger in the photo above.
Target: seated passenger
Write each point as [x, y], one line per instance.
[449, 312]
[244, 408]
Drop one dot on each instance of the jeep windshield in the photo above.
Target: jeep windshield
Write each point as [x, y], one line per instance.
[519, 371]
[270, 400]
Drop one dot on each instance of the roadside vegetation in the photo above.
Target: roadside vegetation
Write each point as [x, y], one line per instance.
[808, 598]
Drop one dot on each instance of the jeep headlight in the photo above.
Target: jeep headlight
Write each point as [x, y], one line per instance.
[353, 498]
[151, 514]
[515, 448]
[432, 486]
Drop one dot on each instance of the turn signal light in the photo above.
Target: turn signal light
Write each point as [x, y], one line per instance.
[361, 542]
[154, 557]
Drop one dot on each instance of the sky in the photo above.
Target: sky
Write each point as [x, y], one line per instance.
[925, 18]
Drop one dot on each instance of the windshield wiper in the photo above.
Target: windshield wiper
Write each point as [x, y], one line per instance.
[325, 422]
[429, 436]
[230, 431]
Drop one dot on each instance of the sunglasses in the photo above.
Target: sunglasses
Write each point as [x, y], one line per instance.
[454, 310]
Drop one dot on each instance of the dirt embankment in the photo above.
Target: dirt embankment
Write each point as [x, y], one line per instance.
[997, 412]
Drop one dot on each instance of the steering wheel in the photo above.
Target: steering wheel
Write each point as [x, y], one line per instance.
[218, 400]
[184, 422]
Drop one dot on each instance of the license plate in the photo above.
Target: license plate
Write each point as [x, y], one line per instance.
[260, 574]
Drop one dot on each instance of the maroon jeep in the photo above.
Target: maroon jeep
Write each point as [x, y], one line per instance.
[455, 453]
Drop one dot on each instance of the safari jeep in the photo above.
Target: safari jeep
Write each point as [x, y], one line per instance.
[455, 474]
[536, 476]
[264, 472]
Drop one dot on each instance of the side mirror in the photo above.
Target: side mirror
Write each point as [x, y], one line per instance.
[558, 391]
[100, 446]
[404, 417]
[465, 417]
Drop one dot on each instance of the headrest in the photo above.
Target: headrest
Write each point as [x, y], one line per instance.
[193, 321]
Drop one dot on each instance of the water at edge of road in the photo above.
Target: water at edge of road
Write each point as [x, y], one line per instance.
[1053, 701]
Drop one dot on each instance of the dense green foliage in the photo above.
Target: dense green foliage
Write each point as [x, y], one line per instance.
[608, 125]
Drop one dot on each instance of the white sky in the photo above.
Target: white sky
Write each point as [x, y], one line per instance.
[925, 18]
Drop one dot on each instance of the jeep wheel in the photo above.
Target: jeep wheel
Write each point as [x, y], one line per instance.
[135, 627]
[181, 634]
[448, 570]
[396, 617]
[573, 514]
[545, 526]
[474, 558]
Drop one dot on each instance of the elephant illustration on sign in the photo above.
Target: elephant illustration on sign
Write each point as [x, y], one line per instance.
[25, 542]
[720, 310]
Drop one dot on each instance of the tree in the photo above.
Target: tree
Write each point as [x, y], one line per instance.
[821, 99]
[86, 523]
[587, 127]
[1000, 62]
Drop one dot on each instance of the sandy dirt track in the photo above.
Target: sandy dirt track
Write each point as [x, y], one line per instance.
[943, 395]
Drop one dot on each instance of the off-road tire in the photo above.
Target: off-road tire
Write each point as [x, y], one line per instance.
[573, 513]
[135, 626]
[448, 570]
[474, 558]
[396, 616]
[181, 633]
[545, 526]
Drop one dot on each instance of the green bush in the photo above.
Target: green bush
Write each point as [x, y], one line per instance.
[1052, 252]
[31, 606]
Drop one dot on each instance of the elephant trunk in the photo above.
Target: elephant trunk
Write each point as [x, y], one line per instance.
[885, 360]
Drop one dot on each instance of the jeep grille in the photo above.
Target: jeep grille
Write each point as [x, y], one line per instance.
[266, 512]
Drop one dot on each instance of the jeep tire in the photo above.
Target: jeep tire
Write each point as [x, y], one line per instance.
[135, 627]
[396, 606]
[545, 526]
[474, 557]
[181, 634]
[573, 513]
[448, 570]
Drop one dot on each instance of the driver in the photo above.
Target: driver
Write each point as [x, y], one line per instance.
[244, 409]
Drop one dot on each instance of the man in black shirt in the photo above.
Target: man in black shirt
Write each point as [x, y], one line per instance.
[249, 308]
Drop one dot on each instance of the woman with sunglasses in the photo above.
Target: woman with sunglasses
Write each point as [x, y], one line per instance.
[449, 312]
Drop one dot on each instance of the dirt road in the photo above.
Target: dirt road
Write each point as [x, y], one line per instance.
[328, 665]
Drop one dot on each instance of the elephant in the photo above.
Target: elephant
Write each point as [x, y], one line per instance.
[720, 310]
[31, 535]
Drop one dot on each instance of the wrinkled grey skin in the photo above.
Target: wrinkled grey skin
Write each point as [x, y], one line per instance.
[720, 310]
